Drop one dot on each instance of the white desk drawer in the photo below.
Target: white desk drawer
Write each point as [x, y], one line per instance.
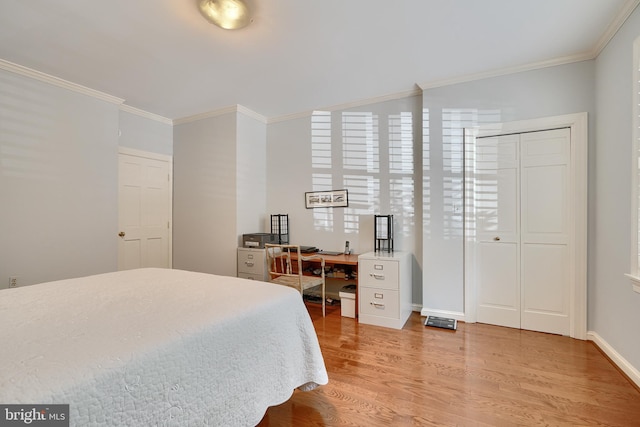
[379, 302]
[377, 273]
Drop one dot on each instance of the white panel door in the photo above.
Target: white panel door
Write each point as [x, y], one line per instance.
[545, 239]
[497, 221]
[523, 242]
[144, 206]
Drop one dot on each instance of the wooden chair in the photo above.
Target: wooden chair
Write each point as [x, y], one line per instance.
[280, 262]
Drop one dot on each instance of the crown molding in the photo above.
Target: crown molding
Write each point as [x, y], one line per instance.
[56, 81]
[504, 71]
[146, 114]
[250, 113]
[355, 104]
[239, 109]
[293, 116]
[205, 115]
[623, 14]
[625, 11]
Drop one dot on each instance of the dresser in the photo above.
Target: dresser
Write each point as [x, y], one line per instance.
[384, 288]
[252, 264]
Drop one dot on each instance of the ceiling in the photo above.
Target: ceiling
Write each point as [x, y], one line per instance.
[162, 57]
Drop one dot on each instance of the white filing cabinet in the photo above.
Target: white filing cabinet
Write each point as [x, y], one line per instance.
[252, 264]
[384, 288]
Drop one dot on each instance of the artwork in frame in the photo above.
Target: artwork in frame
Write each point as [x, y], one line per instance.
[326, 199]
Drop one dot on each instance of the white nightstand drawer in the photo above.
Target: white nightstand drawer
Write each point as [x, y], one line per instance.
[379, 302]
[378, 273]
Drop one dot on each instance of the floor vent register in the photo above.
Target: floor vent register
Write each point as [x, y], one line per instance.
[441, 322]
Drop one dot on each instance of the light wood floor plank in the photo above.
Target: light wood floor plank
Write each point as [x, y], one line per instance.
[479, 375]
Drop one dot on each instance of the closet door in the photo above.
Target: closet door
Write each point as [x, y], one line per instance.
[497, 221]
[545, 281]
[523, 242]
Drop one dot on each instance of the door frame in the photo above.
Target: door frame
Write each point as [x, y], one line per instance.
[578, 123]
[163, 158]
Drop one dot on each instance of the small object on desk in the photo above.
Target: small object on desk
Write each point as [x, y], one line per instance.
[334, 253]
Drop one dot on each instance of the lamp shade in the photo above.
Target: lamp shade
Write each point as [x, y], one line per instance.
[227, 14]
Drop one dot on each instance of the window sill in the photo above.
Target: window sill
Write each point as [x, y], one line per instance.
[635, 282]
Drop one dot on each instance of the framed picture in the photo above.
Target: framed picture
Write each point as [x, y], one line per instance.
[326, 199]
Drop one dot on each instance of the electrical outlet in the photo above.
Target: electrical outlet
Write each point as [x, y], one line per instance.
[13, 282]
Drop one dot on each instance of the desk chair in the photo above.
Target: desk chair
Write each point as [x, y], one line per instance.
[280, 262]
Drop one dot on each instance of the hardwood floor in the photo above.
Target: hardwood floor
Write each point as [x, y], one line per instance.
[479, 375]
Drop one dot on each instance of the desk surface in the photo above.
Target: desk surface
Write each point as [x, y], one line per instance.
[351, 259]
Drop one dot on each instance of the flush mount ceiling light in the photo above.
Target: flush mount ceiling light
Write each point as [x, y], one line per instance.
[227, 14]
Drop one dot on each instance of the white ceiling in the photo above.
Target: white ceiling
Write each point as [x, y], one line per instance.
[162, 57]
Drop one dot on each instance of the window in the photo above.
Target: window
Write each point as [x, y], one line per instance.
[321, 162]
[346, 154]
[635, 184]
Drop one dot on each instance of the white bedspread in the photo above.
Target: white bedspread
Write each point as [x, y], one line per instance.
[157, 347]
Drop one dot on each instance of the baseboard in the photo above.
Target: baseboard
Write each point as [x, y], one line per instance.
[442, 313]
[623, 364]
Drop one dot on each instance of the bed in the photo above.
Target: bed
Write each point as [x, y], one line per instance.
[157, 347]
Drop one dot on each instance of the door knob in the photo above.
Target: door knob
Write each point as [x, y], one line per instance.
[121, 234]
[497, 239]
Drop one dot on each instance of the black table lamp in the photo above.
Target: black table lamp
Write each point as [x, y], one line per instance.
[280, 226]
[383, 233]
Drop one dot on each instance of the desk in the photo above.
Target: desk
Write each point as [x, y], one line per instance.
[347, 262]
[351, 259]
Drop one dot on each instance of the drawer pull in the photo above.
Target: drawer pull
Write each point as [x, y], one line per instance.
[377, 276]
[249, 264]
[377, 304]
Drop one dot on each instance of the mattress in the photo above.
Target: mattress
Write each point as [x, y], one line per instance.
[157, 347]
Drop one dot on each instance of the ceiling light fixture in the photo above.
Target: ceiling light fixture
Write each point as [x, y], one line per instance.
[227, 14]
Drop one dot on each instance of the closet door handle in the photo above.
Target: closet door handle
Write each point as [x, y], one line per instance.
[497, 239]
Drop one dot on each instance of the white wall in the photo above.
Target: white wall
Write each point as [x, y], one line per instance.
[614, 309]
[540, 93]
[215, 160]
[204, 195]
[295, 150]
[251, 167]
[142, 133]
[58, 182]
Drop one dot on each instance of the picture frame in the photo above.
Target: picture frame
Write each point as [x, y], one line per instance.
[326, 199]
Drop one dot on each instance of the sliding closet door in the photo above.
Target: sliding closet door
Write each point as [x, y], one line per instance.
[523, 242]
[497, 221]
